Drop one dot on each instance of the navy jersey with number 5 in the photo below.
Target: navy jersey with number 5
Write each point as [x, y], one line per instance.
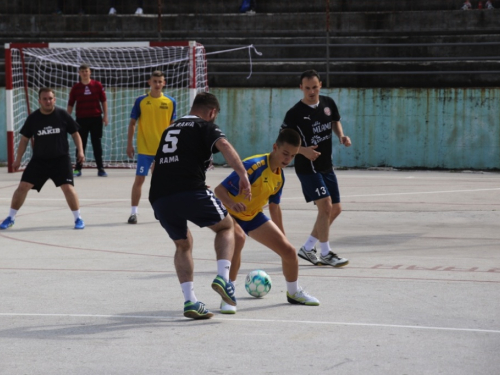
[183, 156]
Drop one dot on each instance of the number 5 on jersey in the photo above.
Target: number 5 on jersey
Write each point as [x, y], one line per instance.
[171, 141]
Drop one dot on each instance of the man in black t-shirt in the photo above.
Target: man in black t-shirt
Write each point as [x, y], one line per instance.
[49, 127]
[178, 194]
[316, 117]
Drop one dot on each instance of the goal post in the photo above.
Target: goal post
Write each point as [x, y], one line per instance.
[123, 69]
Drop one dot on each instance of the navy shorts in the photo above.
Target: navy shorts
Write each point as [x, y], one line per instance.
[320, 185]
[250, 225]
[144, 162]
[38, 171]
[200, 207]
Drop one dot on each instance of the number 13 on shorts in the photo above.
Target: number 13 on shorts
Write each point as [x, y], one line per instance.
[321, 191]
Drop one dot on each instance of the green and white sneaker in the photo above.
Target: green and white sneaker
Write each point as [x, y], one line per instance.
[196, 310]
[226, 308]
[302, 298]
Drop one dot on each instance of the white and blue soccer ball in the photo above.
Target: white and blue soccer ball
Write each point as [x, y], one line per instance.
[258, 283]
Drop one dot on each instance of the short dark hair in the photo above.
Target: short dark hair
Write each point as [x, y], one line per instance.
[45, 89]
[289, 136]
[206, 101]
[84, 67]
[310, 74]
[157, 73]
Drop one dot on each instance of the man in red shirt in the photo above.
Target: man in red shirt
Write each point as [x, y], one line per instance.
[89, 95]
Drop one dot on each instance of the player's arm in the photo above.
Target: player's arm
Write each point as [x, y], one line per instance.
[21, 149]
[309, 152]
[105, 113]
[339, 132]
[276, 216]
[79, 146]
[130, 137]
[223, 194]
[69, 109]
[234, 162]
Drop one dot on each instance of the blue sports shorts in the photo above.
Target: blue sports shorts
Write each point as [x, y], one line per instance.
[320, 185]
[143, 164]
[200, 207]
[250, 225]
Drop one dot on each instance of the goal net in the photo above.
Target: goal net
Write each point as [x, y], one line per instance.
[122, 68]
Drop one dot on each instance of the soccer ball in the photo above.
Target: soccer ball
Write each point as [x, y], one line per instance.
[258, 283]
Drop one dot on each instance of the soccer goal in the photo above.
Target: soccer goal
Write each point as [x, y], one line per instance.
[122, 68]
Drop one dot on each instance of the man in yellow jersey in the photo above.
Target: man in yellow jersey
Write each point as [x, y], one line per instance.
[267, 179]
[155, 112]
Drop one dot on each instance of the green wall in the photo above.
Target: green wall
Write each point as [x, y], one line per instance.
[402, 128]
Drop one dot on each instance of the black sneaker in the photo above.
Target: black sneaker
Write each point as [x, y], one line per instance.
[132, 219]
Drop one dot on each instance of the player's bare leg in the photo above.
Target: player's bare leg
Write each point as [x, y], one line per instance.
[71, 196]
[137, 189]
[20, 195]
[327, 213]
[239, 243]
[269, 235]
[224, 238]
[183, 259]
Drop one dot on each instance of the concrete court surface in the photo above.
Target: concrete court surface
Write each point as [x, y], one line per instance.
[420, 295]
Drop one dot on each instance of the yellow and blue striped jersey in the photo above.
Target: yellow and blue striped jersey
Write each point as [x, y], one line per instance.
[266, 186]
[154, 115]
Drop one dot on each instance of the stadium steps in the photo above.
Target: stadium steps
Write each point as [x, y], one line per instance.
[292, 42]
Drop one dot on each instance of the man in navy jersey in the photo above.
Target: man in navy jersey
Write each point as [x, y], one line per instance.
[316, 118]
[178, 194]
[49, 126]
[89, 95]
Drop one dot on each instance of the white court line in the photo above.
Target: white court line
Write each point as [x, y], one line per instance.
[255, 321]
[283, 198]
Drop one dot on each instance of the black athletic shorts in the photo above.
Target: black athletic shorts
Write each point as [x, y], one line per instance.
[200, 207]
[38, 171]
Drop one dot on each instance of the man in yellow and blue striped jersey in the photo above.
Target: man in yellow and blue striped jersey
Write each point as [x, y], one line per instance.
[266, 176]
[154, 112]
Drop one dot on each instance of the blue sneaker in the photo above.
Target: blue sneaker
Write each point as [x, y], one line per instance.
[7, 223]
[79, 223]
[225, 289]
[77, 173]
[102, 173]
[196, 310]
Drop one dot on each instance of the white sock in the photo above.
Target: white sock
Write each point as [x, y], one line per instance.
[310, 243]
[76, 214]
[188, 291]
[325, 248]
[223, 266]
[292, 287]
[134, 210]
[12, 213]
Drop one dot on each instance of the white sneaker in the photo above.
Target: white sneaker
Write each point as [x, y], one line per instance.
[226, 308]
[332, 259]
[112, 11]
[139, 12]
[310, 256]
[302, 298]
